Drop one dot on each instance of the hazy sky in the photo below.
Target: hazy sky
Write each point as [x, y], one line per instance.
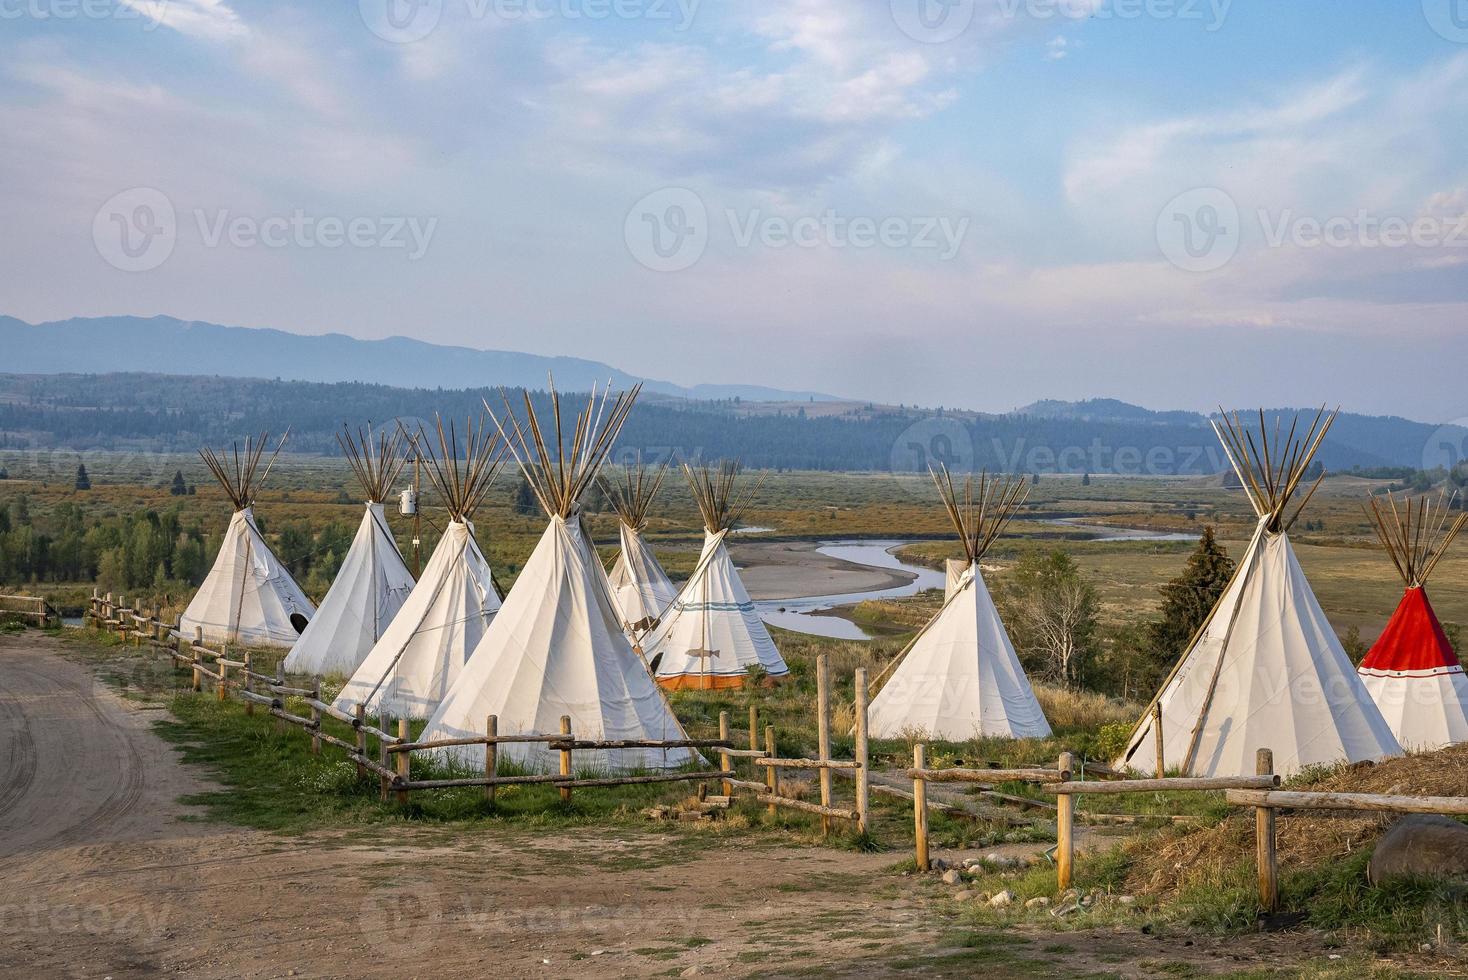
[965, 202]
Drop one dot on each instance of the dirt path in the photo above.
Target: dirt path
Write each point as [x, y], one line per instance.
[102, 877]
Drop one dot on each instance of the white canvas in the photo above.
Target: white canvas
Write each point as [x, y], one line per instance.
[1426, 709]
[713, 612]
[421, 653]
[1283, 681]
[961, 679]
[370, 588]
[557, 648]
[248, 597]
[642, 589]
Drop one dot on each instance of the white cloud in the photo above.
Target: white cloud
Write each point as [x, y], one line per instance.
[212, 20]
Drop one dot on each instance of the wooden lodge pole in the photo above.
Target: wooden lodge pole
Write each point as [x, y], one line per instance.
[1264, 840]
[1065, 826]
[491, 755]
[920, 808]
[861, 749]
[1157, 737]
[404, 761]
[823, 733]
[772, 775]
[566, 758]
[198, 642]
[361, 713]
[726, 763]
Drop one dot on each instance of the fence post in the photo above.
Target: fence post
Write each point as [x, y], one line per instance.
[122, 612]
[249, 683]
[566, 756]
[861, 750]
[920, 808]
[491, 755]
[1064, 825]
[404, 766]
[221, 690]
[361, 712]
[725, 762]
[772, 775]
[823, 733]
[315, 717]
[1264, 839]
[198, 642]
[280, 682]
[382, 755]
[1157, 737]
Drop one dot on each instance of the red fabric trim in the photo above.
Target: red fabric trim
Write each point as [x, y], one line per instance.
[1413, 640]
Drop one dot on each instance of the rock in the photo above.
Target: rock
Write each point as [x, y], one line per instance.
[1428, 845]
[962, 895]
[1037, 903]
[1126, 900]
[938, 864]
[1066, 908]
[1002, 900]
[952, 878]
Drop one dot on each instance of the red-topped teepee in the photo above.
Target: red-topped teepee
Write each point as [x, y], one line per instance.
[1412, 672]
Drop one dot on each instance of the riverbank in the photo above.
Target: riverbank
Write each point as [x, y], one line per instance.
[773, 570]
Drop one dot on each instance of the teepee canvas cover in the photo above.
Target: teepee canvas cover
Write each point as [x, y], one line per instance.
[373, 582]
[712, 634]
[557, 647]
[1266, 670]
[640, 586]
[960, 677]
[248, 597]
[415, 662]
[1412, 672]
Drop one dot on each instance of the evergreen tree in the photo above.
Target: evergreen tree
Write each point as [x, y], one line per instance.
[178, 488]
[83, 482]
[1086, 480]
[1187, 600]
[525, 502]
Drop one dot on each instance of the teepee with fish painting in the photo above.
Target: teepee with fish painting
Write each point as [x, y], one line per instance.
[712, 635]
[1265, 670]
[960, 678]
[249, 597]
[373, 582]
[423, 650]
[642, 589]
[557, 647]
[1412, 671]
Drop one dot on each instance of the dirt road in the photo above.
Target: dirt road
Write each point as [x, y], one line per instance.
[104, 876]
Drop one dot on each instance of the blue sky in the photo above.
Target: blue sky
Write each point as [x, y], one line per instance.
[964, 202]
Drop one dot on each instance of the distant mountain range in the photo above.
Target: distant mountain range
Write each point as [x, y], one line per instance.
[88, 345]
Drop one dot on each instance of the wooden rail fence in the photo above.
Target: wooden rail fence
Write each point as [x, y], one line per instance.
[29, 607]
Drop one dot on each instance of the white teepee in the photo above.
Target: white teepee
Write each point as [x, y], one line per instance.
[557, 647]
[960, 677]
[640, 586]
[248, 597]
[1266, 670]
[1412, 671]
[712, 634]
[418, 657]
[373, 582]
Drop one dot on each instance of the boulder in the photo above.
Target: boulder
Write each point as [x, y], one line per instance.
[1425, 845]
[1003, 899]
[952, 878]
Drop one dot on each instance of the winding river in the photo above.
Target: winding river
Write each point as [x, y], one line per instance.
[812, 614]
